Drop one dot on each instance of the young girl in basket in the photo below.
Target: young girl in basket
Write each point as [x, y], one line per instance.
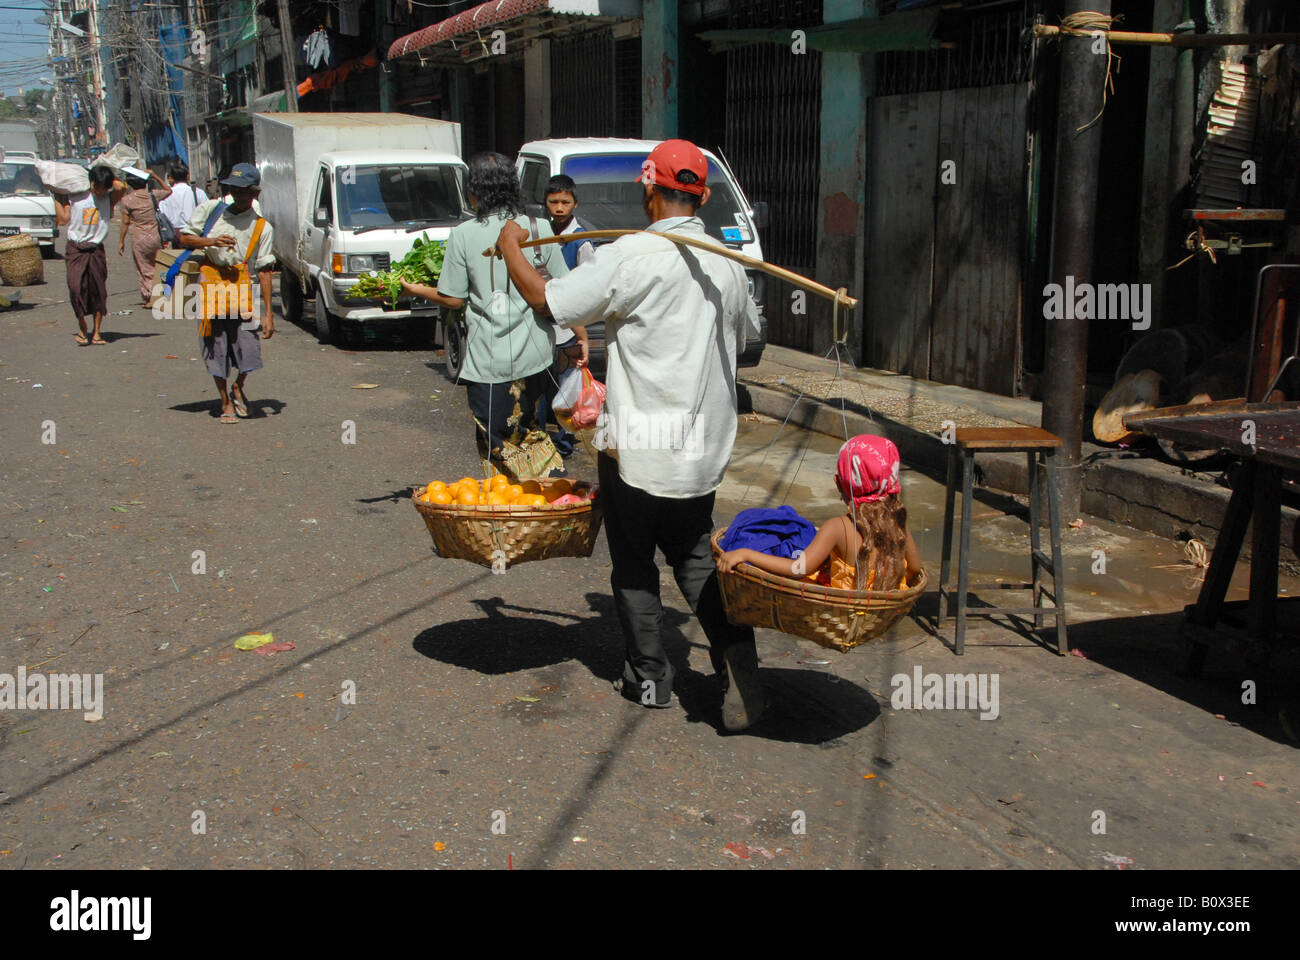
[873, 532]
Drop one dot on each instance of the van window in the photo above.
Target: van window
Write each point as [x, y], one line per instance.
[383, 196]
[323, 198]
[609, 196]
[532, 183]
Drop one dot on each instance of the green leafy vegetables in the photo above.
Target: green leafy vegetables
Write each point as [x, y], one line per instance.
[422, 265]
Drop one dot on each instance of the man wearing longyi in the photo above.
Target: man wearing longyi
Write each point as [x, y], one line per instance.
[673, 318]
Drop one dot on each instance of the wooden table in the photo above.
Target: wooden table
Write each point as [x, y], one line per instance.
[1256, 502]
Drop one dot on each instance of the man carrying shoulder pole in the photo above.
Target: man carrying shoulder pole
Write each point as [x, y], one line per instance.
[673, 319]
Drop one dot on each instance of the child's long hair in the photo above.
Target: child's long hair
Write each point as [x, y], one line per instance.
[882, 524]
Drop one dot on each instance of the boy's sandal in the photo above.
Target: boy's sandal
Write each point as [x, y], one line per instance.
[99, 342]
[229, 418]
[81, 339]
[241, 406]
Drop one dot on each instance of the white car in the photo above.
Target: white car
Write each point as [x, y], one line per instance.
[25, 206]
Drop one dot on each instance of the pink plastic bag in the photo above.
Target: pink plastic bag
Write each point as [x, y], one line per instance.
[587, 410]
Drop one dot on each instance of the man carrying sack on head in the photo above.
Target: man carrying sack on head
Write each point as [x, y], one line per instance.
[235, 284]
[673, 319]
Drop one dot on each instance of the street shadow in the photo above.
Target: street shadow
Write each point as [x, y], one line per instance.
[265, 407]
[257, 409]
[1153, 650]
[393, 496]
[802, 706]
[112, 336]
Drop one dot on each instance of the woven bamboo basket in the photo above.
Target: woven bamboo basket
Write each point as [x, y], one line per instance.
[521, 534]
[20, 261]
[840, 619]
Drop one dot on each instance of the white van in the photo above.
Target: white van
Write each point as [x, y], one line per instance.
[350, 193]
[25, 205]
[605, 171]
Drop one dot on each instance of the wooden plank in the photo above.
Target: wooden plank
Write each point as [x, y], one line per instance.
[900, 232]
[1277, 435]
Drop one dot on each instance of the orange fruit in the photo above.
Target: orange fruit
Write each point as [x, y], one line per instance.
[468, 495]
[495, 499]
[436, 485]
[463, 481]
[531, 500]
[440, 497]
[499, 481]
[513, 492]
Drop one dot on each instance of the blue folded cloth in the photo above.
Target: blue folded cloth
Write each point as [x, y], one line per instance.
[778, 531]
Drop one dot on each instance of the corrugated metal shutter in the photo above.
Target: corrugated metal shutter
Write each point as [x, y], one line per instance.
[773, 132]
[583, 87]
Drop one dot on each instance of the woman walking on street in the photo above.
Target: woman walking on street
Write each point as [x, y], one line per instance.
[510, 350]
[140, 219]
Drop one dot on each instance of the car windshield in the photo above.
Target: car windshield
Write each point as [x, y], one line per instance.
[609, 197]
[380, 196]
[19, 178]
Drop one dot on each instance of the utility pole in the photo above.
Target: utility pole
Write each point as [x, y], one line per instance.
[1083, 74]
[287, 60]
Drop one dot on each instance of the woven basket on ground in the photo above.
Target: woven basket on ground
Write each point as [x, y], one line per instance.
[841, 619]
[20, 261]
[521, 534]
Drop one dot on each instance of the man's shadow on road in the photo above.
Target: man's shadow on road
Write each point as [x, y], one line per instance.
[803, 706]
[257, 409]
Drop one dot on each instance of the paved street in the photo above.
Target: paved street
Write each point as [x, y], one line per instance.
[485, 700]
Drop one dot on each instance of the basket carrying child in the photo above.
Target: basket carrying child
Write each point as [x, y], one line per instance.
[866, 548]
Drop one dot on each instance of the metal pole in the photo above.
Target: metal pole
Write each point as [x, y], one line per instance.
[287, 59]
[1083, 74]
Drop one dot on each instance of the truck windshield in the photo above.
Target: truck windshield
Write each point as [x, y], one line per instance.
[609, 197]
[380, 196]
[19, 178]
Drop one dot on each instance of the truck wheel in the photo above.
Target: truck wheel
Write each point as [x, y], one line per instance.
[327, 325]
[290, 296]
[455, 345]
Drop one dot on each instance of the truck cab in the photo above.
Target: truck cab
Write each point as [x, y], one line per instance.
[605, 170]
[367, 209]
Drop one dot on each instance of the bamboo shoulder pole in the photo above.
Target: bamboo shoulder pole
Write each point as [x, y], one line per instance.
[1170, 39]
[780, 272]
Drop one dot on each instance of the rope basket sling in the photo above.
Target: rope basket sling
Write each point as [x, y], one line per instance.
[500, 536]
[20, 261]
[839, 619]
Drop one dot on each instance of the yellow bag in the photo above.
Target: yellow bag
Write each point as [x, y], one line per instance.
[228, 291]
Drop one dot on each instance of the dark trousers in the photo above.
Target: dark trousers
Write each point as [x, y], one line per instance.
[636, 523]
[508, 413]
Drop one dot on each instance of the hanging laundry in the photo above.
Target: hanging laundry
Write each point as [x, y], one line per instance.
[317, 50]
[350, 17]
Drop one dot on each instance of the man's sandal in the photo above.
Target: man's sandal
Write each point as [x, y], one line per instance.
[81, 340]
[229, 418]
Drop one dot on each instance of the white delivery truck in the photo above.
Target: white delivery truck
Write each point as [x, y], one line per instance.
[348, 193]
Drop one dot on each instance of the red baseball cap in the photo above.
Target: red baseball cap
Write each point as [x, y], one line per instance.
[669, 159]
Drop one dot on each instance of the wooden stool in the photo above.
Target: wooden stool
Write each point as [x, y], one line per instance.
[1035, 443]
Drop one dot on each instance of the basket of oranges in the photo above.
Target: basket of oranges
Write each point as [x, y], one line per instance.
[497, 523]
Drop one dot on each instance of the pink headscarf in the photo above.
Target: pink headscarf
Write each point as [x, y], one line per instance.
[868, 468]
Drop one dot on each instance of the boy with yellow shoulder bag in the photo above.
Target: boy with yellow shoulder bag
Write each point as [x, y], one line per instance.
[234, 285]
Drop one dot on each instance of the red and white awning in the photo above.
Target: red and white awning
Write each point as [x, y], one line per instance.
[468, 36]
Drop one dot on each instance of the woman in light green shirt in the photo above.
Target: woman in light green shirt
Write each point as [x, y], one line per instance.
[510, 349]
